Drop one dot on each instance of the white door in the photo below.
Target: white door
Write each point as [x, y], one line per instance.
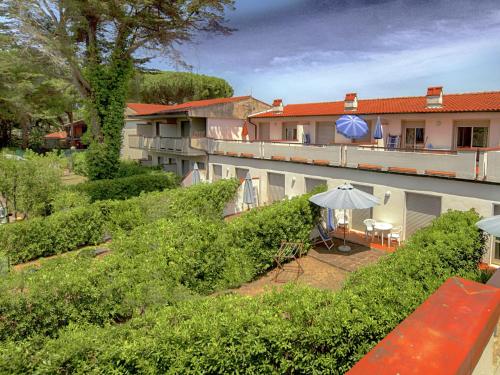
[421, 209]
[276, 186]
[325, 133]
[358, 216]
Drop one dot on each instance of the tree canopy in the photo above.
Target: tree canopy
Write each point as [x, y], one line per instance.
[99, 42]
[178, 87]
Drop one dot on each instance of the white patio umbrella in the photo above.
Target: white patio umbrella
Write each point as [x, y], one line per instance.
[195, 177]
[490, 225]
[248, 192]
[345, 197]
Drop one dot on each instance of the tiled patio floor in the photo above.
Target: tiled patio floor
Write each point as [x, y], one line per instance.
[324, 269]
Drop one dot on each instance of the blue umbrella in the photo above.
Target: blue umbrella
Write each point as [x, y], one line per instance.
[351, 126]
[490, 225]
[248, 193]
[379, 133]
[195, 177]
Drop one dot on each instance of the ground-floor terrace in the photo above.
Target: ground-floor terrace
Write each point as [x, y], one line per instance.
[409, 202]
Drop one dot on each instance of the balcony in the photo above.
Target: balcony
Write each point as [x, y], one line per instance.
[469, 164]
[444, 163]
[164, 144]
[295, 152]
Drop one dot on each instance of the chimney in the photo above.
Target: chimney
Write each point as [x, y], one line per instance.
[435, 97]
[278, 105]
[351, 102]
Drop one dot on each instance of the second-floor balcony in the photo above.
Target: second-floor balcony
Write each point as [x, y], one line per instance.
[173, 145]
[467, 164]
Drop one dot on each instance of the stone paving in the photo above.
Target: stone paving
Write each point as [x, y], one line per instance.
[324, 269]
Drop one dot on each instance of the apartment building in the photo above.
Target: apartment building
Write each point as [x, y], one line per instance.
[439, 152]
[176, 136]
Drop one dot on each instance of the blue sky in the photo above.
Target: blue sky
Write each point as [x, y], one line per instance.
[317, 50]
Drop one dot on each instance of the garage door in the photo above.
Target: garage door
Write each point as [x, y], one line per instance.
[312, 183]
[325, 133]
[420, 211]
[276, 186]
[217, 172]
[358, 216]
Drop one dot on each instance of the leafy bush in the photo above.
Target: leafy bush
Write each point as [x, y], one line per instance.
[79, 164]
[299, 330]
[126, 187]
[156, 265]
[67, 230]
[129, 168]
[67, 199]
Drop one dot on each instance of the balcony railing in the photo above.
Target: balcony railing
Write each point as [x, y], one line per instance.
[164, 144]
[459, 164]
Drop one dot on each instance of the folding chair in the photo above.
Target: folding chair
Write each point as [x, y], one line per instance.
[324, 237]
[289, 252]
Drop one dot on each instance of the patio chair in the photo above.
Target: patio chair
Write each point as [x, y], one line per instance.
[369, 227]
[289, 252]
[324, 237]
[393, 142]
[395, 234]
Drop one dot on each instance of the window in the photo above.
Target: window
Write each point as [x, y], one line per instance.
[414, 137]
[201, 165]
[472, 136]
[241, 173]
[290, 131]
[157, 129]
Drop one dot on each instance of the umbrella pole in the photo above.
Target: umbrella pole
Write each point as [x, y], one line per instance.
[344, 226]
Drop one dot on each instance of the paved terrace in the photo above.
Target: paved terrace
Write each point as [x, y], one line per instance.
[324, 269]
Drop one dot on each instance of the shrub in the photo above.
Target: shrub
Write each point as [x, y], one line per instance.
[126, 187]
[129, 168]
[67, 230]
[67, 199]
[154, 266]
[298, 330]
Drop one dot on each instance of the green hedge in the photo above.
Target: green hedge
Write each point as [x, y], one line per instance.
[126, 187]
[158, 264]
[298, 330]
[67, 230]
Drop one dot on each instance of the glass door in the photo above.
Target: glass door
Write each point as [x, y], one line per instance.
[472, 136]
[415, 137]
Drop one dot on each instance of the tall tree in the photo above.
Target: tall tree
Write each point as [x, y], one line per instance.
[100, 41]
[179, 87]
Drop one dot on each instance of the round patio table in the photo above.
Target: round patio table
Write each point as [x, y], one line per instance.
[382, 227]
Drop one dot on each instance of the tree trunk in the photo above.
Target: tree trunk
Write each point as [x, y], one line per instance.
[25, 132]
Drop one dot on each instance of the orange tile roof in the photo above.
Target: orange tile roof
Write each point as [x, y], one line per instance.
[57, 135]
[468, 102]
[202, 103]
[145, 109]
[151, 109]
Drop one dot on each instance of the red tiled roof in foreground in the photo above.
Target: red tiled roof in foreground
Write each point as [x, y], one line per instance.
[470, 102]
[445, 335]
[150, 109]
[57, 135]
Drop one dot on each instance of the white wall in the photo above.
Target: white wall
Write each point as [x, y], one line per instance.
[393, 206]
[439, 128]
[228, 129]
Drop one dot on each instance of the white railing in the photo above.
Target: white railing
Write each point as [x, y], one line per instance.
[330, 154]
[461, 164]
[492, 166]
[162, 144]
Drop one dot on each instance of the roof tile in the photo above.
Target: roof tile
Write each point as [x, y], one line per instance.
[469, 102]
